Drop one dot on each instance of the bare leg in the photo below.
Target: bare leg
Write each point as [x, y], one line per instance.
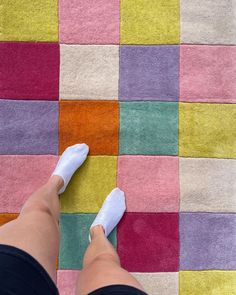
[101, 265]
[36, 229]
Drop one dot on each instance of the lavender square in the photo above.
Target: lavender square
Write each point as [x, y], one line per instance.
[208, 241]
[149, 73]
[28, 127]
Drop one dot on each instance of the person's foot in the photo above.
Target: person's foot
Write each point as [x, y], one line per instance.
[111, 212]
[71, 159]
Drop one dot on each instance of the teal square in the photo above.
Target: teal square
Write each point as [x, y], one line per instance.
[75, 239]
[148, 128]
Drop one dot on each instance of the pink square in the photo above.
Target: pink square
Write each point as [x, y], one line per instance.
[208, 73]
[21, 176]
[89, 22]
[150, 183]
[66, 281]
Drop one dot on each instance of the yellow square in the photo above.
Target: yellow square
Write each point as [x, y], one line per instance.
[207, 130]
[90, 185]
[208, 282]
[29, 20]
[149, 22]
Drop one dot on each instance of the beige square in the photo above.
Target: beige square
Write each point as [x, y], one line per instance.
[89, 72]
[160, 283]
[207, 185]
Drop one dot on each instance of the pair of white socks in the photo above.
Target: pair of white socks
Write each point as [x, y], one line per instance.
[113, 207]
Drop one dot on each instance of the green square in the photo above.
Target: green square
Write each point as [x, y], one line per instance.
[75, 239]
[149, 128]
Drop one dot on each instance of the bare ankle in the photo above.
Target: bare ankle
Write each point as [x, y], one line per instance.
[56, 182]
[96, 230]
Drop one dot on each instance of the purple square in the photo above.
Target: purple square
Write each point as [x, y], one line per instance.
[149, 73]
[28, 127]
[208, 241]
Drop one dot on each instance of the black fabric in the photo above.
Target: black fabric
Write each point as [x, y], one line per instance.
[21, 274]
[118, 290]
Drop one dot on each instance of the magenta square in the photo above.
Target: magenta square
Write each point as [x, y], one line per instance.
[89, 22]
[29, 70]
[149, 242]
[150, 183]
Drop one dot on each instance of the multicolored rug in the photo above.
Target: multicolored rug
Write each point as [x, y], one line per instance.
[150, 86]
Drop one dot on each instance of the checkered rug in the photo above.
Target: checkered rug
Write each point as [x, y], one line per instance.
[150, 86]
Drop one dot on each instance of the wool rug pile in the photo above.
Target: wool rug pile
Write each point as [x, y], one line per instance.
[150, 86]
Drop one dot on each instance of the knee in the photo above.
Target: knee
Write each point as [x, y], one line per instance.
[39, 212]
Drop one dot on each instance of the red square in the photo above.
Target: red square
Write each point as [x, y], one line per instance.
[29, 70]
[149, 242]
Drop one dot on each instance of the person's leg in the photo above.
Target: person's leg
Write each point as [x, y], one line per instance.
[36, 229]
[101, 265]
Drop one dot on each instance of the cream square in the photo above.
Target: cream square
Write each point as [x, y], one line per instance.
[89, 72]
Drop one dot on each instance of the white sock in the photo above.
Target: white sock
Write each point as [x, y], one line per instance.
[111, 212]
[71, 159]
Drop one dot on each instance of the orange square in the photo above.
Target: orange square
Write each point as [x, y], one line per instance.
[95, 123]
[7, 217]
